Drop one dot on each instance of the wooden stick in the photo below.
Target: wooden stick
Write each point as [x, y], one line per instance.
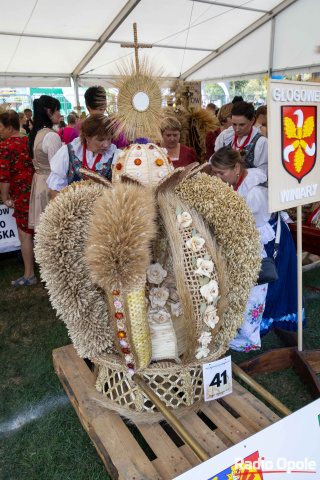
[299, 260]
[260, 390]
[171, 419]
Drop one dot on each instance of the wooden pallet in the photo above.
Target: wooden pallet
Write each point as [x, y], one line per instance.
[220, 424]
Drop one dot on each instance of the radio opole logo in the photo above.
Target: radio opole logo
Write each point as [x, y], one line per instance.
[253, 467]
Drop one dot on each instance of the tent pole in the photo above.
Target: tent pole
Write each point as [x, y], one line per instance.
[76, 90]
[271, 50]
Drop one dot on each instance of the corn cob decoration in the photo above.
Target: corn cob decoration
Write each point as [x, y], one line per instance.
[139, 326]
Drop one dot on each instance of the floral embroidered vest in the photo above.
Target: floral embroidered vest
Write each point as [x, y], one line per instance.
[75, 164]
[249, 150]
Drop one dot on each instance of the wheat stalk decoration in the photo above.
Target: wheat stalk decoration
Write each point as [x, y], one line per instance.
[135, 122]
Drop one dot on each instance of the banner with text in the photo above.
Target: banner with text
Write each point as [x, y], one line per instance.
[293, 129]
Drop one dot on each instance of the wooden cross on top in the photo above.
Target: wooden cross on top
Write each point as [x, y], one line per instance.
[80, 113]
[186, 94]
[136, 45]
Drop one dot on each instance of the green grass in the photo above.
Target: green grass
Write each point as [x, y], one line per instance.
[50, 442]
[41, 436]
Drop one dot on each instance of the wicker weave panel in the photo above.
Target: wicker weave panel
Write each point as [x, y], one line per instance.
[192, 279]
[178, 386]
[173, 388]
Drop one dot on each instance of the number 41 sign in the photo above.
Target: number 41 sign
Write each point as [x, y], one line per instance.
[217, 379]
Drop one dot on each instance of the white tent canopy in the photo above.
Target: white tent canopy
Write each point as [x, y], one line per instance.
[44, 43]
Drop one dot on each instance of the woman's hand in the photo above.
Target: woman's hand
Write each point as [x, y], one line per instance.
[9, 203]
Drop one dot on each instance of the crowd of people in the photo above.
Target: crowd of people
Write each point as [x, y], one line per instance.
[40, 155]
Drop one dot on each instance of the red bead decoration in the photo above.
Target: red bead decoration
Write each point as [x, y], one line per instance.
[118, 166]
[137, 161]
[130, 365]
[169, 160]
[138, 147]
[151, 147]
[159, 162]
[115, 292]
[126, 351]
[122, 334]
[119, 315]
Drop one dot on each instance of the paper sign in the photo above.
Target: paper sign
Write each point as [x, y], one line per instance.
[9, 238]
[286, 450]
[217, 379]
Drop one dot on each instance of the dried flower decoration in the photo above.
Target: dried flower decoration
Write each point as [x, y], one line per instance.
[142, 140]
[205, 267]
[195, 244]
[161, 317]
[205, 339]
[184, 220]
[210, 291]
[156, 274]
[202, 352]
[176, 309]
[210, 316]
[158, 297]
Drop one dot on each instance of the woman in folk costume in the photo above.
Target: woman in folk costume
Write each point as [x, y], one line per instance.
[229, 165]
[225, 120]
[243, 136]
[92, 151]
[43, 143]
[281, 308]
[16, 172]
[180, 155]
[261, 122]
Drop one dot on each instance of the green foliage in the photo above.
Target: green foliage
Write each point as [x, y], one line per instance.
[250, 89]
[213, 89]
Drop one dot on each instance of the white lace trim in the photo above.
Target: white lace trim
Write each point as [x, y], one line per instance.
[266, 233]
[51, 143]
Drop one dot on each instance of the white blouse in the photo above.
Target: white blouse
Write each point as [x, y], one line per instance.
[260, 150]
[60, 162]
[51, 143]
[256, 197]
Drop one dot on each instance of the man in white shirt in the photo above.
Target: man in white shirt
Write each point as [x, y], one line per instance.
[243, 136]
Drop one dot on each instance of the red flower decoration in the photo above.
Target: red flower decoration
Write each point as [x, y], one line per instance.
[159, 162]
[122, 334]
[118, 166]
[137, 161]
[115, 292]
[119, 315]
[126, 351]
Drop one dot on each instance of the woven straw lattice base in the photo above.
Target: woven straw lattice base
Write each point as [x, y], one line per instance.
[180, 388]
